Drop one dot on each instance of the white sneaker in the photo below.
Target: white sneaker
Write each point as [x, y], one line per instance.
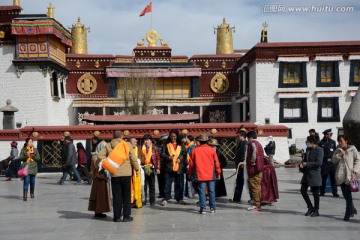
[202, 211]
[212, 210]
[253, 208]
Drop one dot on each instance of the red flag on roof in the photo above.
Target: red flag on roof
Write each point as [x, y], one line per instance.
[146, 10]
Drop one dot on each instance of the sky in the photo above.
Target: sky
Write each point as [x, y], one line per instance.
[187, 25]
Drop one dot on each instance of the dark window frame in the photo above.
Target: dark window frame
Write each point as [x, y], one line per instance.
[54, 86]
[335, 72]
[304, 112]
[303, 76]
[62, 89]
[247, 80]
[241, 83]
[352, 82]
[336, 110]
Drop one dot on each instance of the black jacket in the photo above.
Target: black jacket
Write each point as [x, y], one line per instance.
[329, 147]
[270, 148]
[312, 171]
[240, 154]
[69, 158]
[222, 159]
[168, 164]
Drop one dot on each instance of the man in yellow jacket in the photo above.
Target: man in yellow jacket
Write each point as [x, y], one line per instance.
[121, 179]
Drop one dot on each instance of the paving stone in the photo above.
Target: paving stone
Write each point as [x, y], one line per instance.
[61, 211]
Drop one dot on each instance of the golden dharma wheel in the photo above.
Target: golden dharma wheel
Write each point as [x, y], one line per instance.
[156, 132]
[126, 132]
[96, 133]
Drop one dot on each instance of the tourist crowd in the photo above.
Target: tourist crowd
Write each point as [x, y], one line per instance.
[191, 166]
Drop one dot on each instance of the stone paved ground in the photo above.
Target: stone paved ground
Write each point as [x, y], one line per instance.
[60, 212]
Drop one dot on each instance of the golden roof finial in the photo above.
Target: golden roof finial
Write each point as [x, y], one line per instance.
[16, 3]
[50, 12]
[224, 43]
[264, 38]
[79, 35]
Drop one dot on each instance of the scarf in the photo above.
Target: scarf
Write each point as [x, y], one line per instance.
[189, 145]
[30, 150]
[175, 153]
[147, 154]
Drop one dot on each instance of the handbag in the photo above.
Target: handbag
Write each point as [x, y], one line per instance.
[23, 172]
[354, 182]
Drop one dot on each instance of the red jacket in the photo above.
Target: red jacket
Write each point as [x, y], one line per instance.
[259, 159]
[81, 157]
[204, 163]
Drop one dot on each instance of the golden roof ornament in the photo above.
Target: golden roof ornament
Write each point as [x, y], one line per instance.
[264, 38]
[79, 35]
[224, 43]
[141, 43]
[152, 37]
[50, 12]
[16, 3]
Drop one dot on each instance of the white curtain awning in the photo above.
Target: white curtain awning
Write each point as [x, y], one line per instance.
[293, 59]
[329, 58]
[242, 99]
[352, 93]
[242, 66]
[328, 94]
[354, 57]
[293, 94]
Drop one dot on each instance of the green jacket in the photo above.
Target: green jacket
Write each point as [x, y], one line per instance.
[32, 168]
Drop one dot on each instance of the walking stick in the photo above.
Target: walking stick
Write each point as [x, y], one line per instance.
[235, 183]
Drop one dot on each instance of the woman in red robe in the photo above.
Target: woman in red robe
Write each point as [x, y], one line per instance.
[269, 185]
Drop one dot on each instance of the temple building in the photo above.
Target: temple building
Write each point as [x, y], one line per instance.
[51, 78]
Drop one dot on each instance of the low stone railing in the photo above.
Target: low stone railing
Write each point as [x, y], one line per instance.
[226, 132]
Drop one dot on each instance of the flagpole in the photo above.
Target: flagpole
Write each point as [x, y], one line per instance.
[151, 17]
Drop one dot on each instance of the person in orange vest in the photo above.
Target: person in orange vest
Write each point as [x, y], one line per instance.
[121, 179]
[150, 161]
[175, 163]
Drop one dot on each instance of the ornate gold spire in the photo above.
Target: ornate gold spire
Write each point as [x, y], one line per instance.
[224, 44]
[16, 3]
[264, 38]
[50, 12]
[79, 35]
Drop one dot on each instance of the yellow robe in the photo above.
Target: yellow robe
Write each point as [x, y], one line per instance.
[136, 197]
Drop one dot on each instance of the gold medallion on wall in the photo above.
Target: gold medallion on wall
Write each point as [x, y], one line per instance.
[219, 83]
[86, 84]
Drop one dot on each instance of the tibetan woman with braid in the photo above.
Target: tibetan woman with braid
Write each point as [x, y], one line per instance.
[29, 155]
